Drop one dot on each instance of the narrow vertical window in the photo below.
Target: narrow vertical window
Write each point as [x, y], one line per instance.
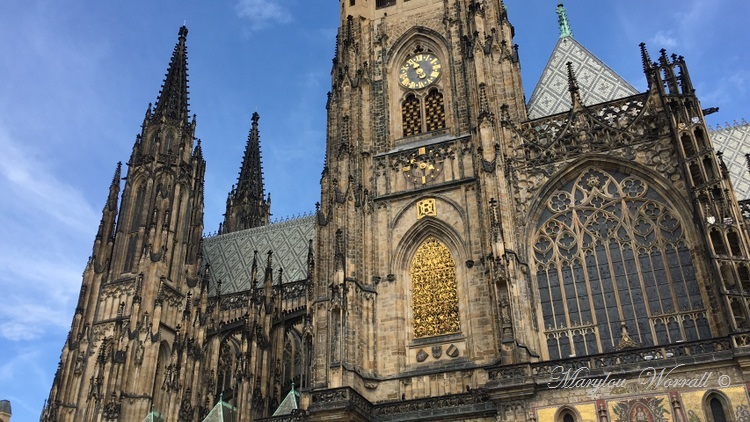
[130, 255]
[717, 410]
[434, 110]
[434, 290]
[412, 115]
[687, 145]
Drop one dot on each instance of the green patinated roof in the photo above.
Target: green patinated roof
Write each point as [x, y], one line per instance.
[734, 142]
[288, 404]
[598, 82]
[222, 412]
[231, 255]
[153, 417]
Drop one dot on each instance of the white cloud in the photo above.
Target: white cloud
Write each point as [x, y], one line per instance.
[263, 13]
[664, 39]
[31, 183]
[43, 224]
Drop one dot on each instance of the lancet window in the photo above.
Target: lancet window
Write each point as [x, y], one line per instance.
[411, 113]
[434, 110]
[230, 368]
[434, 290]
[613, 268]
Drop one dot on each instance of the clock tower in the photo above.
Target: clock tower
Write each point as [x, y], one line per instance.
[414, 258]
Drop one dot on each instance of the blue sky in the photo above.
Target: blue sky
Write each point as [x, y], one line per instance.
[76, 78]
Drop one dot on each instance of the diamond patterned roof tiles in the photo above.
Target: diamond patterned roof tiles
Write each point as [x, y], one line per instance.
[734, 142]
[597, 81]
[231, 255]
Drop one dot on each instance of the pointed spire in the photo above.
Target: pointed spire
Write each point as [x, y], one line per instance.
[173, 97]
[575, 91]
[562, 18]
[250, 182]
[114, 187]
[246, 206]
[645, 58]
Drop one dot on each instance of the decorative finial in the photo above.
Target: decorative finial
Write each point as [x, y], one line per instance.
[575, 94]
[562, 18]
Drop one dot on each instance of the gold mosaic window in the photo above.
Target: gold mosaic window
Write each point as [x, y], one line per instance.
[613, 268]
[434, 111]
[412, 115]
[434, 290]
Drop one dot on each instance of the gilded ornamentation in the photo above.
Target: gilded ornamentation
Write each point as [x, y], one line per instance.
[426, 208]
[434, 289]
[642, 410]
[424, 164]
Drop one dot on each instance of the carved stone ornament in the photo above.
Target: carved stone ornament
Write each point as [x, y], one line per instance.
[422, 356]
[437, 352]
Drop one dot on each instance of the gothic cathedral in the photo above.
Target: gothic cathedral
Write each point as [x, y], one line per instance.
[473, 257]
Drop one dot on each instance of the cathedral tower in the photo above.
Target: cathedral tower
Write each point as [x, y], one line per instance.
[412, 253]
[123, 353]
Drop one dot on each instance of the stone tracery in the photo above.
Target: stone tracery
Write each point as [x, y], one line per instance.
[608, 250]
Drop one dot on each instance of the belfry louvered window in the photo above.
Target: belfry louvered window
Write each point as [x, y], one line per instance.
[425, 113]
[434, 110]
[613, 268]
[411, 112]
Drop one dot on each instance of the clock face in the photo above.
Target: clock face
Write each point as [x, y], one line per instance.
[420, 71]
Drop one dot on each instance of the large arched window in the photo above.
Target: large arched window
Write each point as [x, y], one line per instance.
[434, 290]
[613, 268]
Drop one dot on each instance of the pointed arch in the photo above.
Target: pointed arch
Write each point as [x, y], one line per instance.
[717, 407]
[229, 366]
[419, 232]
[567, 414]
[607, 248]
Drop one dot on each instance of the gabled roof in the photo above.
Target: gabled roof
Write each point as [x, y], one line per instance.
[598, 82]
[734, 143]
[231, 255]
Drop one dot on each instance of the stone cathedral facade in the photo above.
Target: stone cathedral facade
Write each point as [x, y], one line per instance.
[473, 257]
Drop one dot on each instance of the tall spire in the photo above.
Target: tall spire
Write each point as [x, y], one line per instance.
[250, 182]
[562, 18]
[173, 97]
[247, 206]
